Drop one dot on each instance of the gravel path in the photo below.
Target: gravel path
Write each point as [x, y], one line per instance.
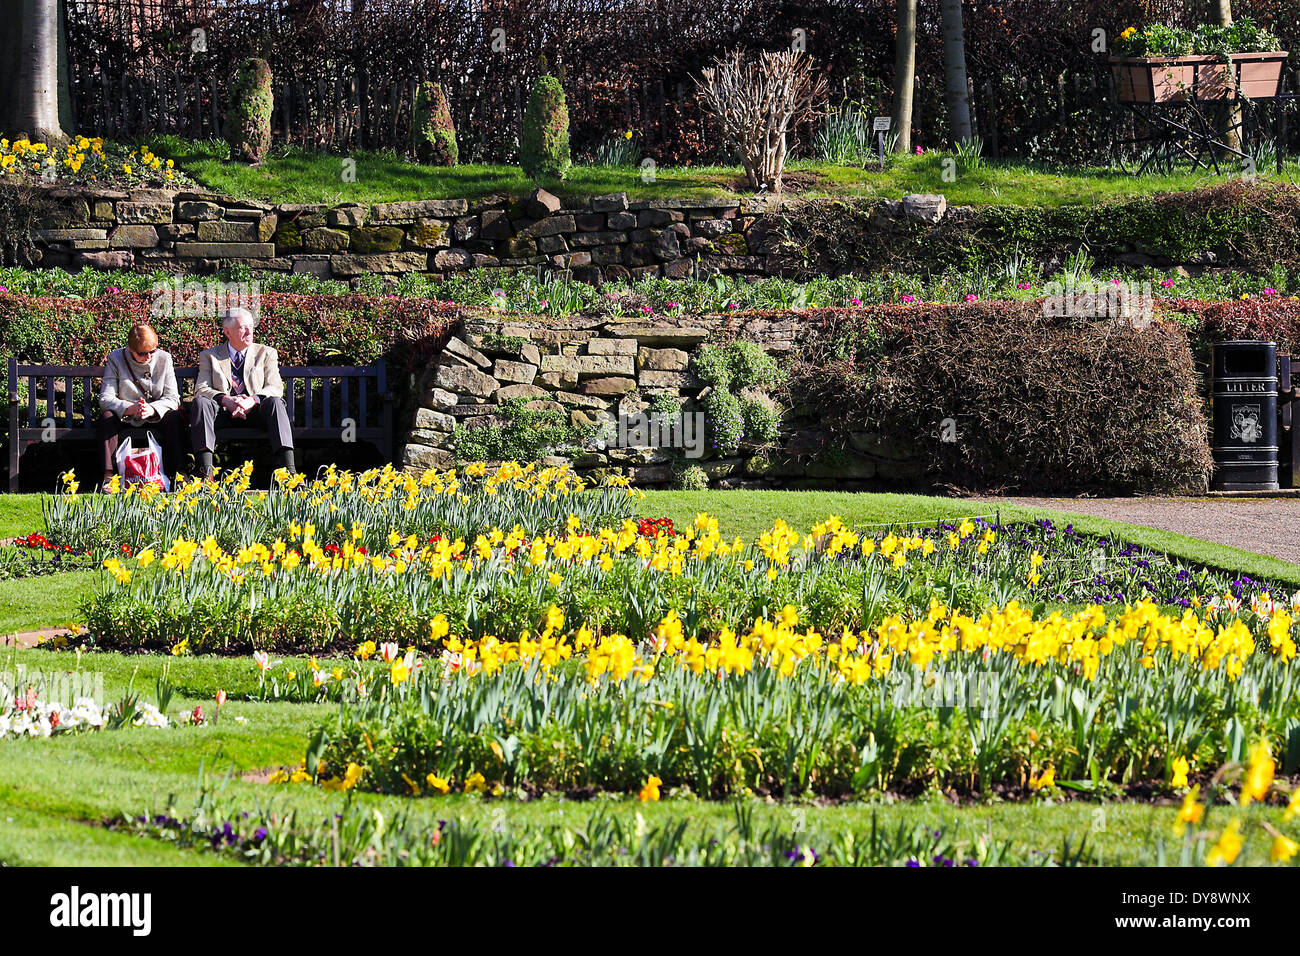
[1263, 525]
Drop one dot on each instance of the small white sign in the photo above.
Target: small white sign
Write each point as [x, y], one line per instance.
[881, 124]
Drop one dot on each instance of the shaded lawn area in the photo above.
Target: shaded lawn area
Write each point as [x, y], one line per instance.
[297, 175]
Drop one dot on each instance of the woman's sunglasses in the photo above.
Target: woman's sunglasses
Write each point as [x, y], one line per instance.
[143, 356]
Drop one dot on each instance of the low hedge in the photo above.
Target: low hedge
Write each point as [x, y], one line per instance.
[995, 395]
[305, 329]
[1251, 226]
[1266, 319]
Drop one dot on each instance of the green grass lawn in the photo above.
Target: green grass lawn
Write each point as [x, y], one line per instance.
[20, 515]
[296, 175]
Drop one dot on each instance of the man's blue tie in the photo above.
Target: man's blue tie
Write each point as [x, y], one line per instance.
[237, 370]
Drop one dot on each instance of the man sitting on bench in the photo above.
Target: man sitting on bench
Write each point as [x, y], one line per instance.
[239, 383]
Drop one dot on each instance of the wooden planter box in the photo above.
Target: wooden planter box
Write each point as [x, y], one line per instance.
[1172, 79]
[1259, 75]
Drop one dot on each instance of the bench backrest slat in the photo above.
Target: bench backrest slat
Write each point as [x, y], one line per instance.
[309, 392]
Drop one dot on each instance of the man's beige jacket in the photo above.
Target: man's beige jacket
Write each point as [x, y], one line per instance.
[261, 373]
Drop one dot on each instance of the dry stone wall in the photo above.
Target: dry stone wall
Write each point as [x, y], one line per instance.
[604, 237]
[595, 370]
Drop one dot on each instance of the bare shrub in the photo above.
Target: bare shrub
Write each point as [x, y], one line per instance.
[758, 103]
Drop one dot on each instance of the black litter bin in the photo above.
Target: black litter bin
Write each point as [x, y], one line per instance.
[1245, 416]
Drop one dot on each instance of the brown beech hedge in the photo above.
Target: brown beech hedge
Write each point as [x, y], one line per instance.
[995, 395]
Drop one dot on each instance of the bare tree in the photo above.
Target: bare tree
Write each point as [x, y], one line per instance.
[904, 73]
[954, 68]
[1224, 10]
[758, 103]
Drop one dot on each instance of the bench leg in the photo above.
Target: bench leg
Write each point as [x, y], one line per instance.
[15, 453]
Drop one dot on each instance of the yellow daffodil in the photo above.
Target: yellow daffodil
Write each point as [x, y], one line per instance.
[1259, 775]
[1282, 849]
[1179, 778]
[1228, 846]
[650, 792]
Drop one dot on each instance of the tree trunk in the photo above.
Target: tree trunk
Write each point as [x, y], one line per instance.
[904, 73]
[37, 108]
[1233, 138]
[11, 43]
[67, 115]
[954, 68]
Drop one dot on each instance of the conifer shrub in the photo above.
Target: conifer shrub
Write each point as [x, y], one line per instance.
[544, 150]
[248, 121]
[435, 133]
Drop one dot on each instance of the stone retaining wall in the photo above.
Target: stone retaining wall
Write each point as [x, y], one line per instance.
[601, 238]
[605, 237]
[595, 370]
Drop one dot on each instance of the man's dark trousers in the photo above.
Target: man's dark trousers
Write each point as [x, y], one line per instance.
[269, 414]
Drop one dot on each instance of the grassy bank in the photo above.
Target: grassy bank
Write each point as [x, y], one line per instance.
[296, 175]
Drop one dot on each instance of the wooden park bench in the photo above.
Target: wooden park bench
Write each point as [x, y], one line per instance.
[319, 398]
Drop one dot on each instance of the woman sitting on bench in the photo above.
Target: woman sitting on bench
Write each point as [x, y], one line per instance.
[139, 397]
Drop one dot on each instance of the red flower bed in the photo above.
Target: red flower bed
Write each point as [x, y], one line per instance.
[653, 527]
